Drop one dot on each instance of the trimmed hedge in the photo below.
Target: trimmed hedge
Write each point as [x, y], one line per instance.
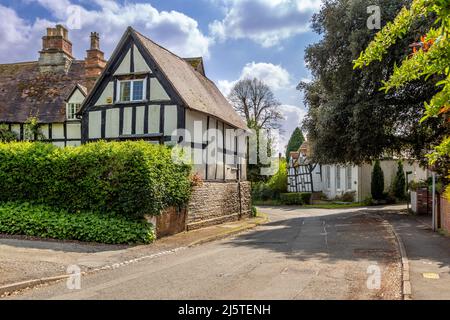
[126, 178]
[43, 221]
[295, 198]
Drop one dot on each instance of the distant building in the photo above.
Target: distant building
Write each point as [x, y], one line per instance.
[334, 180]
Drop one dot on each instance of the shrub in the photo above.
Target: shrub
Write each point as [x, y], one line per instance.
[377, 184]
[399, 182]
[347, 197]
[278, 182]
[295, 198]
[127, 178]
[261, 191]
[254, 211]
[43, 221]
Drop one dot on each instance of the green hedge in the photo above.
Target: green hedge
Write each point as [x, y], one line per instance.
[127, 178]
[295, 198]
[43, 221]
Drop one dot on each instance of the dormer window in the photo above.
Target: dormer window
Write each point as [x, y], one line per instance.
[72, 109]
[131, 90]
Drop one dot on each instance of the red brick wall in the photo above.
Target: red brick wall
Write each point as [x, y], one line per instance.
[422, 206]
[445, 214]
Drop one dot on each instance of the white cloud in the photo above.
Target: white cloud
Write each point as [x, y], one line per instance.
[275, 76]
[266, 22]
[174, 30]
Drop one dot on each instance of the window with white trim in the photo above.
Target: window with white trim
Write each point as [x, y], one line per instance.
[72, 109]
[349, 178]
[328, 176]
[131, 90]
[338, 177]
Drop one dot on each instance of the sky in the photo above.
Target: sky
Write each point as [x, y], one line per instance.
[237, 38]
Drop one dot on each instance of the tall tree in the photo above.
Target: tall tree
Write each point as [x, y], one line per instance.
[430, 58]
[295, 142]
[400, 182]
[349, 119]
[255, 101]
[377, 183]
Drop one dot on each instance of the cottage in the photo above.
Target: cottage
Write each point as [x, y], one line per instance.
[51, 89]
[148, 93]
[144, 92]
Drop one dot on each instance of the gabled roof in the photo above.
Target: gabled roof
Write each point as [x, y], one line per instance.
[195, 90]
[83, 90]
[25, 92]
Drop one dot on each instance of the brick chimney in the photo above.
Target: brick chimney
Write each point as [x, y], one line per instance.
[95, 60]
[56, 53]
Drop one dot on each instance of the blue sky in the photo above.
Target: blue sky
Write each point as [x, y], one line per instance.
[237, 38]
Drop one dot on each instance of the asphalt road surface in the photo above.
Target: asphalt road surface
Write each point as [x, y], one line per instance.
[299, 254]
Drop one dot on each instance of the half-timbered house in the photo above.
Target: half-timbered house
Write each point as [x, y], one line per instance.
[148, 93]
[51, 89]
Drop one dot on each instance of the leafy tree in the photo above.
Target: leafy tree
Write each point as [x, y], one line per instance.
[400, 182]
[377, 183]
[255, 101]
[430, 58]
[295, 141]
[349, 119]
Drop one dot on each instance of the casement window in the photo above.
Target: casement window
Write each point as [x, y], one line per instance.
[131, 90]
[72, 109]
[338, 178]
[348, 178]
[328, 176]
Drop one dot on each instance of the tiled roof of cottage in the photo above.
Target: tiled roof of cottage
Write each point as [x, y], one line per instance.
[25, 92]
[197, 91]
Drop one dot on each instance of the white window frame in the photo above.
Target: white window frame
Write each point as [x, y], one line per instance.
[144, 90]
[68, 113]
[328, 177]
[349, 178]
[338, 178]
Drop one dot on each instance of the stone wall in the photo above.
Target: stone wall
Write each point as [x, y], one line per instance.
[218, 202]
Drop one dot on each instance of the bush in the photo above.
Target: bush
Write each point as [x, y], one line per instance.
[399, 182]
[377, 183]
[127, 178]
[347, 197]
[295, 198]
[278, 182]
[43, 221]
[262, 191]
[254, 211]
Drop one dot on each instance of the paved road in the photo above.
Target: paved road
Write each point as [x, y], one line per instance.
[300, 254]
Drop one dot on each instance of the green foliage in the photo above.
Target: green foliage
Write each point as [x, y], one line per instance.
[278, 182]
[126, 178]
[295, 198]
[377, 183]
[431, 60]
[349, 119]
[254, 211]
[32, 130]
[6, 135]
[272, 189]
[400, 182]
[43, 221]
[347, 197]
[295, 142]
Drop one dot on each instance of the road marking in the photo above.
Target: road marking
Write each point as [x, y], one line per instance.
[431, 275]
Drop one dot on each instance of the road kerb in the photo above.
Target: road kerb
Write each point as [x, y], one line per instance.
[29, 284]
[406, 283]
